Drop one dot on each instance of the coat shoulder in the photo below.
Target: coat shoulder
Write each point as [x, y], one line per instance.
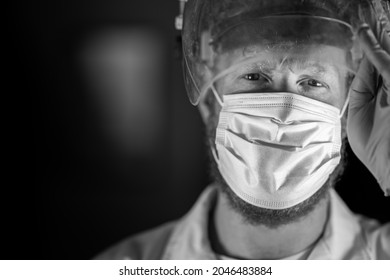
[147, 245]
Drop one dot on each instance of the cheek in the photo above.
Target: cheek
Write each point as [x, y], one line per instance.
[338, 95]
[214, 109]
[221, 86]
[342, 92]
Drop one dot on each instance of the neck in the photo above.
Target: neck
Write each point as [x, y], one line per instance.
[233, 237]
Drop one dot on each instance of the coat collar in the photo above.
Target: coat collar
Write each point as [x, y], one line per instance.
[342, 237]
[340, 240]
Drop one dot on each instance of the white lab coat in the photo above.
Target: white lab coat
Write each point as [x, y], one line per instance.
[346, 236]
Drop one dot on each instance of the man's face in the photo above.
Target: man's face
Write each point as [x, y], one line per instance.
[312, 71]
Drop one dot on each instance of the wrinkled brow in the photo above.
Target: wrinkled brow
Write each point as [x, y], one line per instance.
[294, 64]
[308, 65]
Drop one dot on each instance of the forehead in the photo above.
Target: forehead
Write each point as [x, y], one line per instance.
[314, 58]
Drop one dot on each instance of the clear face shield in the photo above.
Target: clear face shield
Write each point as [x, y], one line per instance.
[302, 47]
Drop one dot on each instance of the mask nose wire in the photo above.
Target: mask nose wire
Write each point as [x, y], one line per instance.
[341, 114]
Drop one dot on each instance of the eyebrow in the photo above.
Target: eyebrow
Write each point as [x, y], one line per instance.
[268, 66]
[313, 66]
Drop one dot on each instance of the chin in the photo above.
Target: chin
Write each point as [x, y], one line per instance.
[272, 218]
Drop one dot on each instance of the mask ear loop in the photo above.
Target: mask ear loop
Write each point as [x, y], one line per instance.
[345, 106]
[219, 100]
[214, 152]
[342, 112]
[216, 95]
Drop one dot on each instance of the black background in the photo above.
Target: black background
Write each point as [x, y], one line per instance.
[71, 195]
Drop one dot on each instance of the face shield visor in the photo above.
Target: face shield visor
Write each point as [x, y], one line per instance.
[304, 47]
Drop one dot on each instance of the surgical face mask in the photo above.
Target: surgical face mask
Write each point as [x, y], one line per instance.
[276, 149]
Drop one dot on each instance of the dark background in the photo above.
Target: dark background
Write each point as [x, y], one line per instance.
[74, 192]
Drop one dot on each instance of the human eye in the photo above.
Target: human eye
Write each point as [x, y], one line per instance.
[253, 82]
[252, 77]
[247, 79]
[255, 77]
[311, 85]
[314, 83]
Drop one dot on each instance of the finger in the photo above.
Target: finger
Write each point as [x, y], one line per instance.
[374, 51]
[383, 33]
